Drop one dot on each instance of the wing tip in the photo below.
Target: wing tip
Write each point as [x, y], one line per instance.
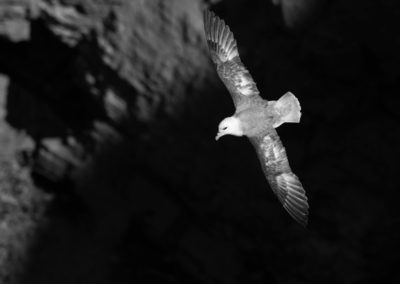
[208, 17]
[295, 201]
[208, 13]
[300, 216]
[219, 36]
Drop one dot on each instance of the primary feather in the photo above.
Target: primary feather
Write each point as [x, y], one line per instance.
[225, 56]
[284, 183]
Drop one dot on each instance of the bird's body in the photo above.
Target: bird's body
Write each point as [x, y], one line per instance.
[256, 117]
[250, 119]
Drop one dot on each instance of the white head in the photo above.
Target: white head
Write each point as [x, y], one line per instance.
[230, 125]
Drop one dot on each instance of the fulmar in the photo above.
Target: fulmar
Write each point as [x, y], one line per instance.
[256, 117]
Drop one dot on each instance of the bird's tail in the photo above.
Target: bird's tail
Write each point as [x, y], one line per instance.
[288, 109]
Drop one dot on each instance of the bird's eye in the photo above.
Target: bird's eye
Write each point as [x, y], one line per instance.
[224, 128]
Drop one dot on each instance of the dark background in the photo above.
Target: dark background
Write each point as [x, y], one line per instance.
[109, 172]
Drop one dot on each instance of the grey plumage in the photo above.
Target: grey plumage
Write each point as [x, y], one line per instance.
[258, 117]
[284, 183]
[224, 54]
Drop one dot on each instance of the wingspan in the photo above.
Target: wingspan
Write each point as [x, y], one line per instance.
[225, 55]
[284, 183]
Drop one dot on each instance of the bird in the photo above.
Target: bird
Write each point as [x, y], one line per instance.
[256, 118]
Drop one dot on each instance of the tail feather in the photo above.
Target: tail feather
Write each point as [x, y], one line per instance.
[288, 109]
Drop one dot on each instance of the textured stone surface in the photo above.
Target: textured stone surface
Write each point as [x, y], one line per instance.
[22, 205]
[14, 19]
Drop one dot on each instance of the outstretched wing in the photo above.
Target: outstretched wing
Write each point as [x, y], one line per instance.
[284, 183]
[225, 55]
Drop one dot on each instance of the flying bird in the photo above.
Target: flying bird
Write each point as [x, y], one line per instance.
[256, 117]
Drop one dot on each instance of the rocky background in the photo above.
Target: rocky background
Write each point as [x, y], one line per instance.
[109, 172]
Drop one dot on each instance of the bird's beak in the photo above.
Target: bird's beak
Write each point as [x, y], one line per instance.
[219, 134]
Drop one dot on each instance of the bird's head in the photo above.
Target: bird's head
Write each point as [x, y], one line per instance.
[230, 125]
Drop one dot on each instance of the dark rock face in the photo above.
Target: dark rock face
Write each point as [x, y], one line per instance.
[112, 107]
[300, 13]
